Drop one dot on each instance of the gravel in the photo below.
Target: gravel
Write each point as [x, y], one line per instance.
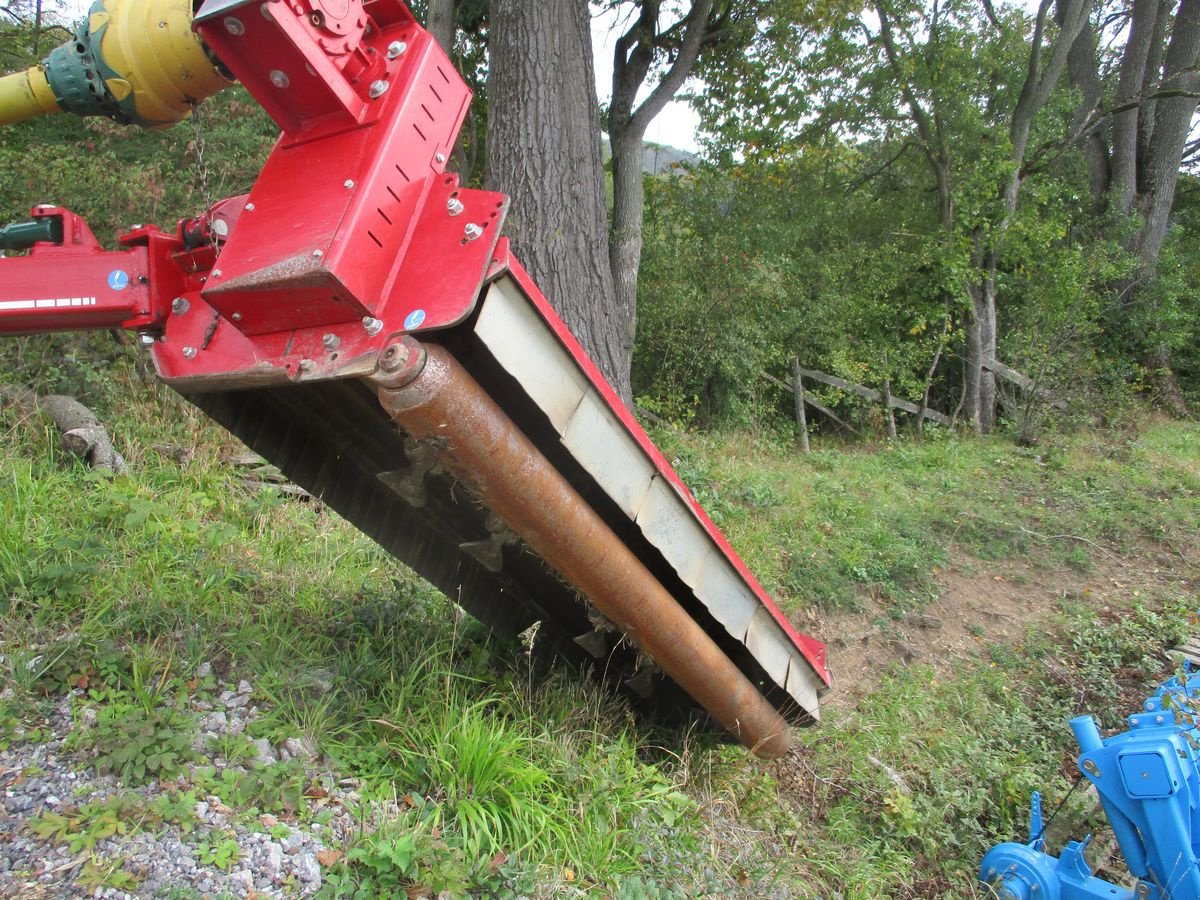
[277, 855]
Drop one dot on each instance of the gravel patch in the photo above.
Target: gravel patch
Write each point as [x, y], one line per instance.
[210, 849]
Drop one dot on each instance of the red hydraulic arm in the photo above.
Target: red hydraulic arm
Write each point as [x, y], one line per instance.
[358, 287]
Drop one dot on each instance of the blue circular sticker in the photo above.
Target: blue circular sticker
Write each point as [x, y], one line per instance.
[118, 279]
[414, 319]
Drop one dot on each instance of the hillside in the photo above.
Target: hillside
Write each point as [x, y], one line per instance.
[212, 685]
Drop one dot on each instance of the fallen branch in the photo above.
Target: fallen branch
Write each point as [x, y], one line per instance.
[1024, 382]
[1067, 537]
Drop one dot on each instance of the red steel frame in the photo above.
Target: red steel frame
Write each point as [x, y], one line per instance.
[352, 235]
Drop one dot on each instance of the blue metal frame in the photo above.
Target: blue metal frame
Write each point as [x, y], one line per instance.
[1148, 779]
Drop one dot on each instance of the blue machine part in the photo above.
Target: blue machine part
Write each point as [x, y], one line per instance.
[1148, 780]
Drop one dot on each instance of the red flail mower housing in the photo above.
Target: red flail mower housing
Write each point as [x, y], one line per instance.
[358, 320]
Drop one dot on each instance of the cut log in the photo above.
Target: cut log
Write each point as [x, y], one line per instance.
[81, 432]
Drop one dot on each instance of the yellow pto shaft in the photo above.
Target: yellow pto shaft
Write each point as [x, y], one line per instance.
[135, 61]
[24, 95]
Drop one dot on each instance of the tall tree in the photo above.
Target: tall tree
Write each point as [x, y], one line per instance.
[1135, 148]
[654, 56]
[647, 41]
[963, 83]
[543, 149]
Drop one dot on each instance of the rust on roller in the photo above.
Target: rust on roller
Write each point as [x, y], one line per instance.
[429, 395]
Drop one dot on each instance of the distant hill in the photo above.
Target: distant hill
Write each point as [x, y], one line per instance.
[658, 159]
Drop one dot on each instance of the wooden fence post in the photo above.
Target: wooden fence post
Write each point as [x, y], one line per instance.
[801, 413]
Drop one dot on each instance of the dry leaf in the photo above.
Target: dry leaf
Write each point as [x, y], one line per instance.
[568, 875]
[497, 861]
[329, 858]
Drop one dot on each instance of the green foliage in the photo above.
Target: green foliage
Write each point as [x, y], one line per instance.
[379, 866]
[831, 528]
[278, 788]
[223, 853]
[137, 744]
[84, 827]
[97, 874]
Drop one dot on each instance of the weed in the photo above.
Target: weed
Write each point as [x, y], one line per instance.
[273, 789]
[233, 747]
[82, 828]
[136, 744]
[220, 852]
[98, 874]
[379, 866]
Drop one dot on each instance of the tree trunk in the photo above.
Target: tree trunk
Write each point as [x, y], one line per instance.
[543, 149]
[1172, 120]
[1129, 90]
[440, 22]
[980, 382]
[625, 236]
[633, 58]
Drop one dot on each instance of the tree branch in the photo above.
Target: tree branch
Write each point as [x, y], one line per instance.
[677, 74]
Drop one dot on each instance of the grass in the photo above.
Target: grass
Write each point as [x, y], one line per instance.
[828, 529]
[479, 775]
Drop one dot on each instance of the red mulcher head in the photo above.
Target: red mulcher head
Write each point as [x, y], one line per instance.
[358, 320]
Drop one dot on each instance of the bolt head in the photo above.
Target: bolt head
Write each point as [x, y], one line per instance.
[317, 254]
[377, 88]
[396, 48]
[307, 365]
[234, 26]
[394, 358]
[440, 158]
[331, 341]
[279, 78]
[216, 273]
[249, 207]
[189, 352]
[179, 306]
[472, 232]
[146, 340]
[454, 206]
[220, 228]
[372, 325]
[237, 317]
[348, 184]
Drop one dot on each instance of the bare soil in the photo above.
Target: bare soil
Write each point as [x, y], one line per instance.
[986, 602]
